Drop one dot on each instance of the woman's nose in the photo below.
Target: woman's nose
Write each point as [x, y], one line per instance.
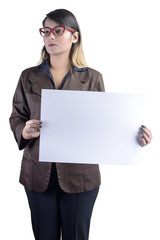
[52, 36]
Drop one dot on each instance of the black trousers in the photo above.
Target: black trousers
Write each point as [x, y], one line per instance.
[54, 212]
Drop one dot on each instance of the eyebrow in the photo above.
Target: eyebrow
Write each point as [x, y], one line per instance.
[51, 28]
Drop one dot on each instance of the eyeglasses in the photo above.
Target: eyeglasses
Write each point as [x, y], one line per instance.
[57, 31]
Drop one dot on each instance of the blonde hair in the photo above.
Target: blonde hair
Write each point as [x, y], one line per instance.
[77, 57]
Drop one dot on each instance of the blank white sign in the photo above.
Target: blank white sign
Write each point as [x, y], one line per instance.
[90, 127]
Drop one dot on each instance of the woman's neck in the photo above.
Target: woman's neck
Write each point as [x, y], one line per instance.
[59, 63]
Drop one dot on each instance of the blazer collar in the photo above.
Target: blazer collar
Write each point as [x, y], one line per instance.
[41, 78]
[44, 67]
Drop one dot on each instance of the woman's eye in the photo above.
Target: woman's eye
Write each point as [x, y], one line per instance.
[46, 32]
[58, 31]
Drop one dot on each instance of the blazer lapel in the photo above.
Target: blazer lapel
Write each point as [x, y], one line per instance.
[39, 80]
[75, 82]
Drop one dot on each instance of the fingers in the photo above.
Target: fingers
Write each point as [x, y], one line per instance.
[145, 136]
[32, 129]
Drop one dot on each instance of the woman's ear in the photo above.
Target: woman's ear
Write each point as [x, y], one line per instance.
[75, 37]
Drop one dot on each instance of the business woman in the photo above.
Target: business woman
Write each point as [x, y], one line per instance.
[61, 196]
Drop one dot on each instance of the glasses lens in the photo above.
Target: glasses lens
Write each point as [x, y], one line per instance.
[58, 31]
[45, 32]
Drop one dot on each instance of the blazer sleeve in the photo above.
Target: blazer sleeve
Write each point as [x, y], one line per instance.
[20, 114]
[99, 84]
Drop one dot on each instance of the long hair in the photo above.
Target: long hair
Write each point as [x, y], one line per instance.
[66, 18]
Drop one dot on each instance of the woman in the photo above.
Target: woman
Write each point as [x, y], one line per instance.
[61, 196]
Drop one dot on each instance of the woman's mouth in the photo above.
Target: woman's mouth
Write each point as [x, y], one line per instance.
[52, 45]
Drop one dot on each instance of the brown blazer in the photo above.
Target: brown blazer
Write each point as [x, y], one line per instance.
[35, 175]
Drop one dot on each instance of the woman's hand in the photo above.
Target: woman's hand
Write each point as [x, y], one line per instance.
[32, 129]
[145, 136]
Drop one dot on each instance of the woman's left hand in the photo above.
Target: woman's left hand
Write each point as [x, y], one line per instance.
[145, 136]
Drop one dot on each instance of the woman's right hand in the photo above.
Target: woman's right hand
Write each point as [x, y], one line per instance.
[32, 129]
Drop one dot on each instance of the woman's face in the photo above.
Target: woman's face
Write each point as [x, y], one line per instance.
[60, 44]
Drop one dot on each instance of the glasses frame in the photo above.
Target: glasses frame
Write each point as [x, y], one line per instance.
[52, 30]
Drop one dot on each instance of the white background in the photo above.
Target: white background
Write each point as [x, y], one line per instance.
[121, 39]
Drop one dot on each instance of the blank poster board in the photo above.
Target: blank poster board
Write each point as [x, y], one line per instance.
[90, 127]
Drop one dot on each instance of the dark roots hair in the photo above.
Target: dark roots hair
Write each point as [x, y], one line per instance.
[66, 18]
